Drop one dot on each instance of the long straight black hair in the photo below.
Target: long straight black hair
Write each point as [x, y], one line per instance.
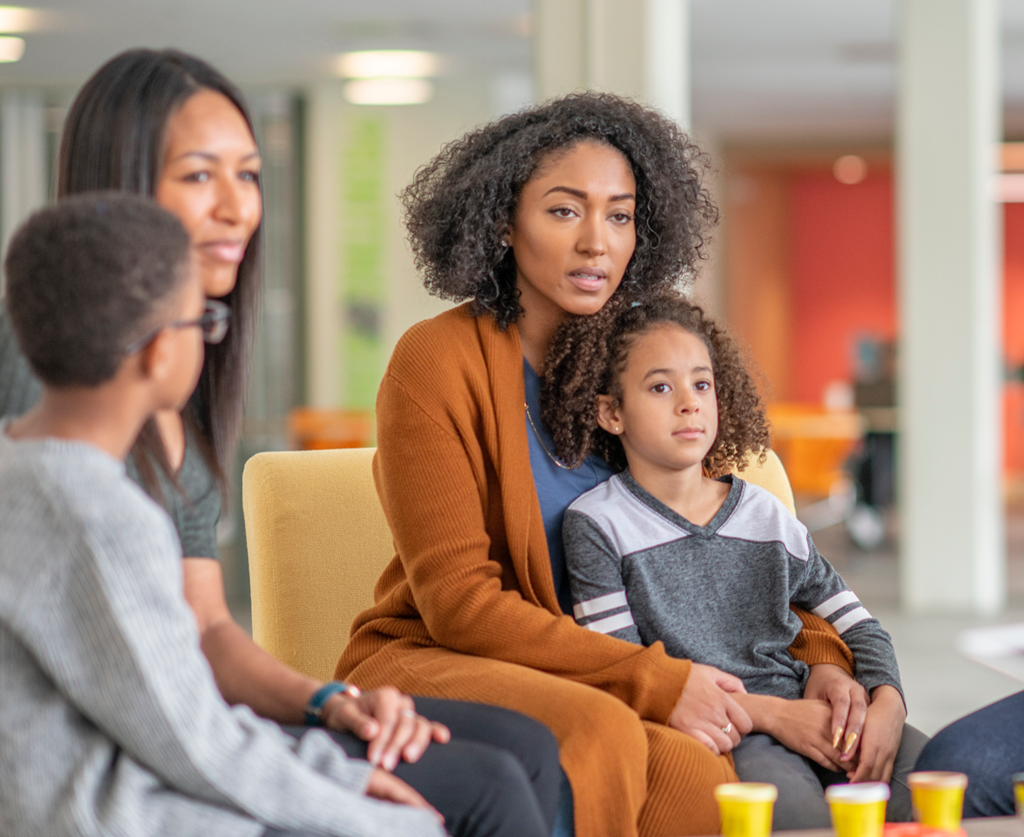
[114, 138]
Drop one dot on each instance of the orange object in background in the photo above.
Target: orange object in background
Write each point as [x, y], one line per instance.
[814, 444]
[310, 428]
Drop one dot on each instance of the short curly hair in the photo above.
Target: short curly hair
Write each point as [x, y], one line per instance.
[87, 276]
[587, 356]
[460, 204]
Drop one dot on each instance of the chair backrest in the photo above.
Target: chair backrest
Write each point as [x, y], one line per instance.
[318, 541]
[771, 476]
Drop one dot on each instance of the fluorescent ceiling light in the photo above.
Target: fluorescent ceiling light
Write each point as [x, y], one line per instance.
[18, 19]
[11, 49]
[389, 91]
[387, 63]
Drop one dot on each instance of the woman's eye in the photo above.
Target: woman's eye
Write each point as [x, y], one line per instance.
[562, 212]
[622, 218]
[250, 176]
[661, 388]
[703, 386]
[197, 177]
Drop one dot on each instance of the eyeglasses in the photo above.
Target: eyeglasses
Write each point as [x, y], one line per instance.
[214, 324]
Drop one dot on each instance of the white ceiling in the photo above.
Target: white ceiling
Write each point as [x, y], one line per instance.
[763, 70]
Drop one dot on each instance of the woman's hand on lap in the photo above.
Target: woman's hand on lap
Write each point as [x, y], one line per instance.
[705, 709]
[849, 702]
[387, 719]
[883, 730]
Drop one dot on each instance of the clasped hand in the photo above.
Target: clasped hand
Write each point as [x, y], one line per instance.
[865, 734]
[707, 711]
[834, 725]
[386, 719]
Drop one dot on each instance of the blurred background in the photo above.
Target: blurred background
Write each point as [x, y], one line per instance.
[867, 159]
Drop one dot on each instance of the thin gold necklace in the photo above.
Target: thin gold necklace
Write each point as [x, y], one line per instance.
[543, 447]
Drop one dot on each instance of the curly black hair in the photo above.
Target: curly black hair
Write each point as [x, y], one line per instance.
[460, 204]
[587, 356]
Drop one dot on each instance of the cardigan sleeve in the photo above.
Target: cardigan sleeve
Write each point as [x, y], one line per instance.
[439, 491]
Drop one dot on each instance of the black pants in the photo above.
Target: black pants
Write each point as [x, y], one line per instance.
[499, 775]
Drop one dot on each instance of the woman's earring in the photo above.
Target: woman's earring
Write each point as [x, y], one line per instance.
[504, 244]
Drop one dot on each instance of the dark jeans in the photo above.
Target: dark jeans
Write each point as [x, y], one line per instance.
[801, 782]
[987, 745]
[499, 775]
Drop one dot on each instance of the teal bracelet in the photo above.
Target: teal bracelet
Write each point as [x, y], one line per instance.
[315, 707]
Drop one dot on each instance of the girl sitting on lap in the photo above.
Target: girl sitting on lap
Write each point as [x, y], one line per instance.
[673, 548]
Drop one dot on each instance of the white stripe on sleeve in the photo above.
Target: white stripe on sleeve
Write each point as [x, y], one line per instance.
[848, 620]
[612, 623]
[830, 606]
[600, 604]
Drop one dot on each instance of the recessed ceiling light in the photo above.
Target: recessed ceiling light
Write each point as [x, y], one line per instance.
[389, 91]
[11, 49]
[387, 63]
[19, 19]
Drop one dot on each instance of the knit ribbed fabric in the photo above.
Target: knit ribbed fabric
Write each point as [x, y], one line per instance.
[468, 609]
[110, 720]
[195, 508]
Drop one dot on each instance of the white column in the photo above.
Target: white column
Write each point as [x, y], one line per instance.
[323, 308]
[667, 57]
[948, 126]
[22, 159]
[638, 49]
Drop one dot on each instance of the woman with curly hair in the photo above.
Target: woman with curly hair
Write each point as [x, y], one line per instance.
[542, 214]
[675, 548]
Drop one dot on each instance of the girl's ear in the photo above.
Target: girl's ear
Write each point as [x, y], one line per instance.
[608, 415]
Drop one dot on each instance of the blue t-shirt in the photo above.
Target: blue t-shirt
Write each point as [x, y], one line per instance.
[556, 486]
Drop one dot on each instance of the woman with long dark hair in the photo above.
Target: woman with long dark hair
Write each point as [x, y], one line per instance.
[167, 125]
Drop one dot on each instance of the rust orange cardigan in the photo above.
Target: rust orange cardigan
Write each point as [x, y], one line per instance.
[471, 583]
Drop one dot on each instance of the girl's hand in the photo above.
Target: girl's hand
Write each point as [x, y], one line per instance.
[706, 710]
[883, 731]
[849, 702]
[804, 727]
[387, 719]
[800, 725]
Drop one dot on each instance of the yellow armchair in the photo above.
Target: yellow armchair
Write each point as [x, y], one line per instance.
[318, 541]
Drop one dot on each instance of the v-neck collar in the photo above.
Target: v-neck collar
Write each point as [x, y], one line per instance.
[713, 525]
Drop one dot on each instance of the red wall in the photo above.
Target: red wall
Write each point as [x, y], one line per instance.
[1013, 333]
[843, 275]
[844, 286]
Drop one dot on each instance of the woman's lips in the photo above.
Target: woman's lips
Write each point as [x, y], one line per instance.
[230, 251]
[588, 278]
[690, 432]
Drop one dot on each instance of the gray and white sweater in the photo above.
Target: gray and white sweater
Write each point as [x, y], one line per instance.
[718, 594]
[110, 720]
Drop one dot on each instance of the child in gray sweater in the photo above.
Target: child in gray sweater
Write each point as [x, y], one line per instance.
[674, 549]
[110, 720]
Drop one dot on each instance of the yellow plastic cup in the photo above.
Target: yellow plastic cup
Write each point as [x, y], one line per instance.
[938, 798]
[858, 810]
[746, 808]
[1018, 793]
